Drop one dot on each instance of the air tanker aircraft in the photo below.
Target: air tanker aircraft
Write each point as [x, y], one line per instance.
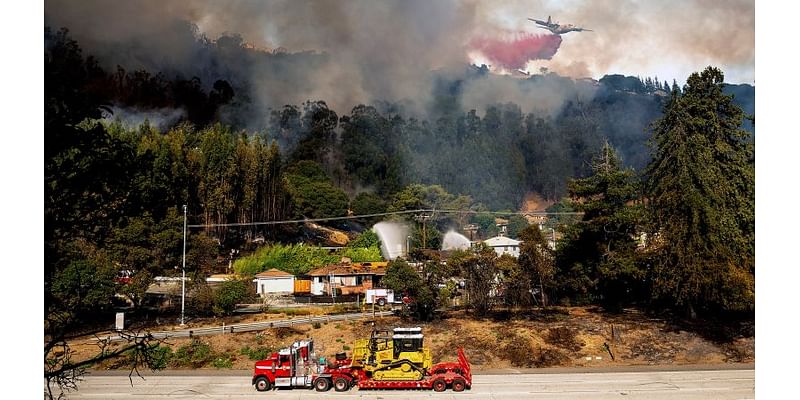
[556, 28]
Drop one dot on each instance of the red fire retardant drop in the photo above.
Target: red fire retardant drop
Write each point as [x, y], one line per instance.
[515, 53]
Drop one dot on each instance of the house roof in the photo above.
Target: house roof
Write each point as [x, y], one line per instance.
[220, 277]
[501, 241]
[274, 273]
[366, 268]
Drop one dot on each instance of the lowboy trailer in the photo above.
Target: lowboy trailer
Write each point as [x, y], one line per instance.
[377, 364]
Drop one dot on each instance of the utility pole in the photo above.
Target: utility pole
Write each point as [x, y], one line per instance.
[471, 229]
[183, 269]
[424, 219]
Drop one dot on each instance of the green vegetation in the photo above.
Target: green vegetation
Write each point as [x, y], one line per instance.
[597, 258]
[231, 293]
[299, 259]
[256, 353]
[296, 259]
[701, 191]
[195, 354]
[313, 194]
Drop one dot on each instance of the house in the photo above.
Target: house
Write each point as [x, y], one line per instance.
[274, 281]
[503, 245]
[347, 277]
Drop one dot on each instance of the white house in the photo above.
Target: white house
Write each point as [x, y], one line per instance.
[503, 245]
[274, 281]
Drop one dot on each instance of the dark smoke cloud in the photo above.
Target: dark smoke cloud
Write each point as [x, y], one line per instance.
[515, 53]
[360, 51]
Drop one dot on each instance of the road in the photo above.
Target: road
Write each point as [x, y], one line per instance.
[692, 384]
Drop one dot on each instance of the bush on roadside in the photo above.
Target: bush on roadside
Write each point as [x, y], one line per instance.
[563, 337]
[195, 354]
[257, 353]
[222, 361]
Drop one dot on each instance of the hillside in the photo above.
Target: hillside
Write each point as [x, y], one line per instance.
[563, 337]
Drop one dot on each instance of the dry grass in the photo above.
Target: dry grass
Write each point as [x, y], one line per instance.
[569, 337]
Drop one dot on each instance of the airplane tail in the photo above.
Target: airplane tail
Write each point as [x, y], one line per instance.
[549, 21]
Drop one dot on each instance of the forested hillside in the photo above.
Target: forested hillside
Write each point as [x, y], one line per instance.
[116, 181]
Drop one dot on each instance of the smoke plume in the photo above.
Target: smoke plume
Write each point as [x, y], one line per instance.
[361, 51]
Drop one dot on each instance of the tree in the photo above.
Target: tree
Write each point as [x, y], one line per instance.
[602, 245]
[404, 279]
[229, 294]
[700, 191]
[368, 203]
[516, 224]
[535, 262]
[480, 271]
[313, 194]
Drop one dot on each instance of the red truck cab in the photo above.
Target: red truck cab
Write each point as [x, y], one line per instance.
[294, 366]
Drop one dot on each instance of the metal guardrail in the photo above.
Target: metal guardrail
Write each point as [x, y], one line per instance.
[252, 326]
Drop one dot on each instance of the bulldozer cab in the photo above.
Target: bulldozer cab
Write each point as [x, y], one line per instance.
[406, 340]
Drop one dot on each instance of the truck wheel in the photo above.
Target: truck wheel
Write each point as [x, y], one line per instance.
[459, 385]
[322, 384]
[381, 302]
[439, 385]
[262, 384]
[341, 384]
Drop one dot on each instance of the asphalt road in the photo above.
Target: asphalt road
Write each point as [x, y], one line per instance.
[692, 384]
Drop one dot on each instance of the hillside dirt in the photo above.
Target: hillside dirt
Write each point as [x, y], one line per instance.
[535, 202]
[562, 337]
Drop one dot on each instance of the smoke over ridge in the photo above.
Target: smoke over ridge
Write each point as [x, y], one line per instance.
[358, 51]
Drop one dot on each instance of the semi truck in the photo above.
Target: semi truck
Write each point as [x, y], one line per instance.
[393, 359]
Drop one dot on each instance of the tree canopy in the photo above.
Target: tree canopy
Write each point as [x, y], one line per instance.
[701, 197]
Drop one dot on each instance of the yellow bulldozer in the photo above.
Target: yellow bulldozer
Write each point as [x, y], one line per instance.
[398, 355]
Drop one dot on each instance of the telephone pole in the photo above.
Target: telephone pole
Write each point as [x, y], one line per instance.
[183, 269]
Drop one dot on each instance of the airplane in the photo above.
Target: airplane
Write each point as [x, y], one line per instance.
[557, 28]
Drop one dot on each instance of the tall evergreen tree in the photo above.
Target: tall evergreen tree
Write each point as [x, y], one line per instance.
[598, 257]
[701, 187]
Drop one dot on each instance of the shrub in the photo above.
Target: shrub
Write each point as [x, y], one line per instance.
[519, 351]
[563, 337]
[345, 347]
[222, 361]
[195, 354]
[161, 356]
[256, 354]
[229, 294]
[316, 325]
[549, 358]
[202, 300]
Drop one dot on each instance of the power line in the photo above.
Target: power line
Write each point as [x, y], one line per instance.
[433, 211]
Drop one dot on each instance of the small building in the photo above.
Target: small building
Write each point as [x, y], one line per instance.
[503, 245]
[346, 277]
[274, 281]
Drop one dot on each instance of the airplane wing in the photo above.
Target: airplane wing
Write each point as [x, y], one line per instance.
[538, 21]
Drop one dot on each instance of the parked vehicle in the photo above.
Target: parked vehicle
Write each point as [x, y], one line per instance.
[380, 297]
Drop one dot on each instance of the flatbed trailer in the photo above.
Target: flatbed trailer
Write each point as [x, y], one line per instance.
[296, 367]
[457, 376]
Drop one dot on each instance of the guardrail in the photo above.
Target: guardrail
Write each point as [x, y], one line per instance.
[252, 326]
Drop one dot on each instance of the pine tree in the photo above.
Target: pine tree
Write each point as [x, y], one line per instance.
[597, 257]
[701, 198]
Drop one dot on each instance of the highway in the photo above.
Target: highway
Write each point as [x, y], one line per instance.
[649, 384]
